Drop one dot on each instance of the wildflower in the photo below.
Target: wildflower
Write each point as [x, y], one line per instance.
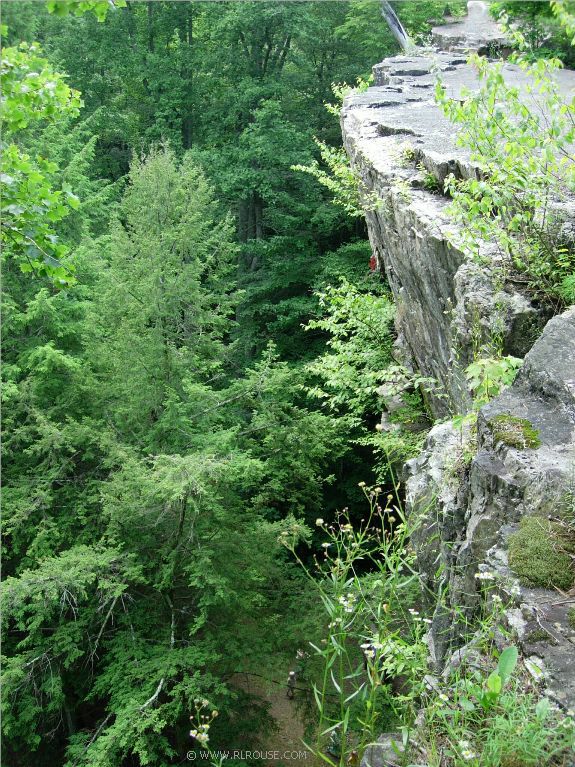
[570, 712]
[466, 751]
[319, 522]
[347, 602]
[486, 576]
[427, 620]
[443, 697]
[326, 545]
[378, 490]
[347, 528]
[496, 598]
[335, 623]
[413, 612]
[361, 484]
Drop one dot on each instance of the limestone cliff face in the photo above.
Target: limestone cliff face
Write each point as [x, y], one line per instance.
[398, 140]
[467, 507]
[466, 510]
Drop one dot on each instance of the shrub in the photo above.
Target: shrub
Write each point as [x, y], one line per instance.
[519, 142]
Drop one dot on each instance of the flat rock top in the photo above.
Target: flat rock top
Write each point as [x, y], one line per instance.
[401, 108]
[477, 30]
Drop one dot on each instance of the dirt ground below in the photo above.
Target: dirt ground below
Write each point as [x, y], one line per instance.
[288, 738]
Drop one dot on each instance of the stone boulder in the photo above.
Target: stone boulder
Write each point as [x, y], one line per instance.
[469, 499]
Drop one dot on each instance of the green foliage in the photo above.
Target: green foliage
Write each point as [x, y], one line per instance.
[166, 289]
[364, 22]
[358, 347]
[483, 721]
[144, 484]
[542, 29]
[488, 376]
[160, 436]
[356, 375]
[373, 637]
[100, 8]
[540, 554]
[340, 179]
[33, 92]
[519, 142]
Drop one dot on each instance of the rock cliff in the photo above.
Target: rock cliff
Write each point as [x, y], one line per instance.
[472, 488]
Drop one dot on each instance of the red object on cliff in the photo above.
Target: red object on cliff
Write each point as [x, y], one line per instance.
[372, 264]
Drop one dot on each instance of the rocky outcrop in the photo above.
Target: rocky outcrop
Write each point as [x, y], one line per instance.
[469, 490]
[476, 481]
[403, 148]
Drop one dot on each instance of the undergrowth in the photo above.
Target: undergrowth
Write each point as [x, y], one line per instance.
[485, 712]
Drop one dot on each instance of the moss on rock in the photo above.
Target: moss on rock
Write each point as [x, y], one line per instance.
[539, 554]
[514, 432]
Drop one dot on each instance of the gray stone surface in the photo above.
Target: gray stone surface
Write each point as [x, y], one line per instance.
[467, 510]
[477, 31]
[443, 299]
[466, 493]
[386, 752]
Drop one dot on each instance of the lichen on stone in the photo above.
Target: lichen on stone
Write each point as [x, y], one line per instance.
[539, 553]
[514, 432]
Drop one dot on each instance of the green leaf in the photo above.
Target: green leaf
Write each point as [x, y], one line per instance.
[507, 663]
[494, 683]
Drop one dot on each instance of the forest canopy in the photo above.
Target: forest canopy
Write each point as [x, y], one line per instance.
[195, 341]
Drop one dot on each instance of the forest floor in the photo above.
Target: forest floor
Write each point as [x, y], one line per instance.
[289, 736]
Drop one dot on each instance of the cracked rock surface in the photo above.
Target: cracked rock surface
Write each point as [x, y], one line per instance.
[467, 511]
[398, 140]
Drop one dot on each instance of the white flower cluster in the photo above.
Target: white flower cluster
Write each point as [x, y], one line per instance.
[485, 576]
[201, 734]
[370, 648]
[347, 602]
[466, 752]
[416, 617]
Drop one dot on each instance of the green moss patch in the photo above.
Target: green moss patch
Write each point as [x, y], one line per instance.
[571, 617]
[514, 432]
[539, 554]
[537, 636]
